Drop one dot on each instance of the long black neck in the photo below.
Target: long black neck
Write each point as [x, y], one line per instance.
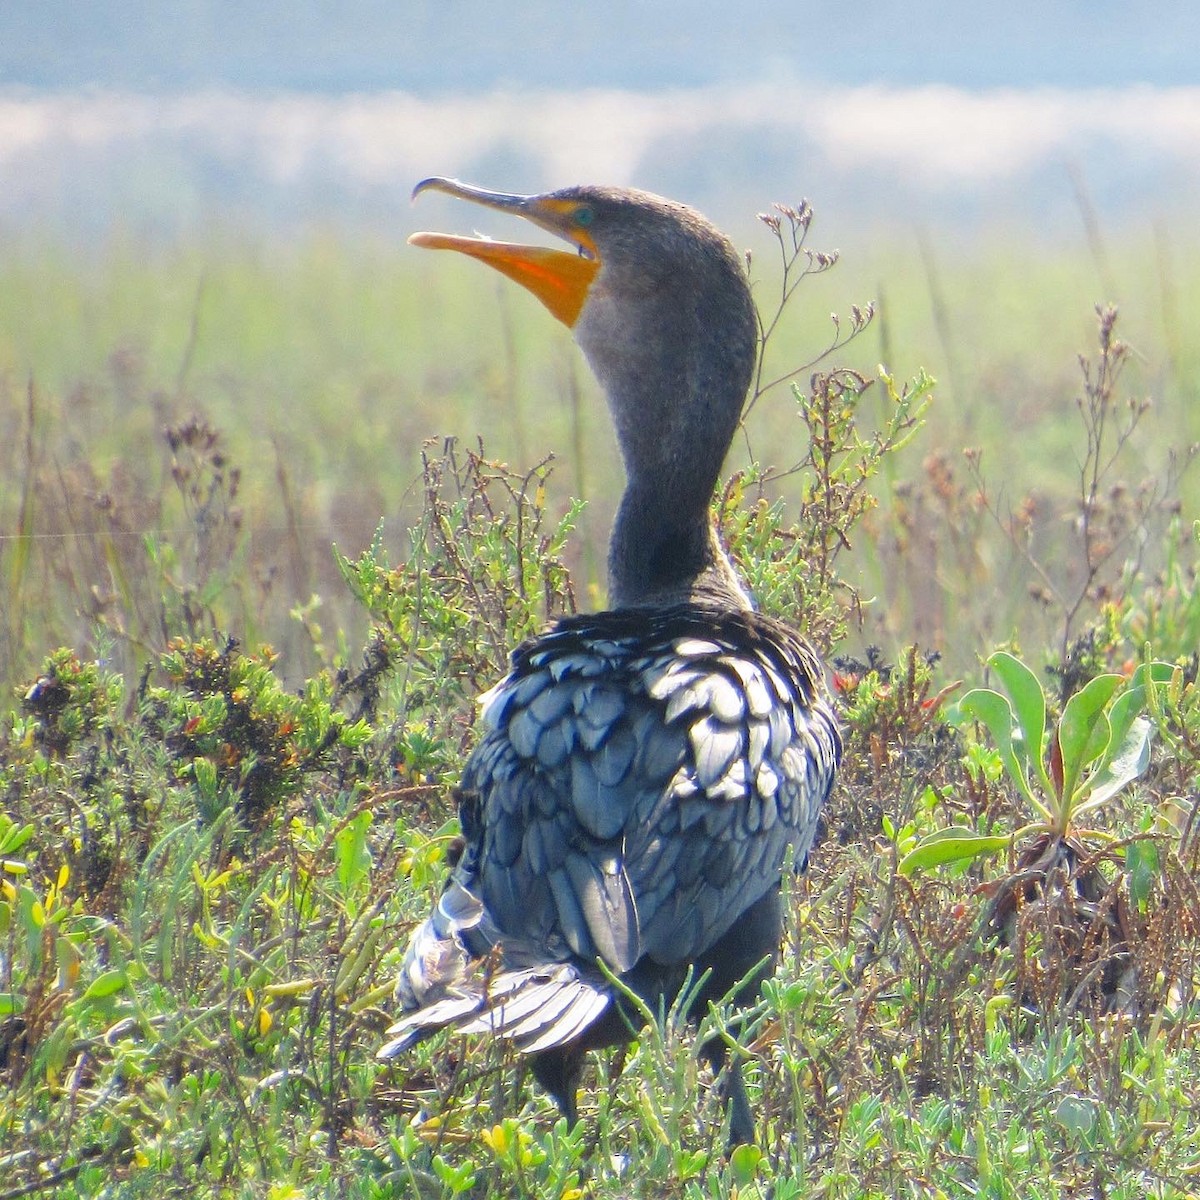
[664, 548]
[673, 347]
[659, 556]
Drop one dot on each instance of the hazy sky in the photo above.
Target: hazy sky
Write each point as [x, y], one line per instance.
[476, 45]
[166, 115]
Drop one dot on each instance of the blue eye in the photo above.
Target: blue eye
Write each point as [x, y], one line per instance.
[585, 214]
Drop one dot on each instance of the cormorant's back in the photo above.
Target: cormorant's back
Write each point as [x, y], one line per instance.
[641, 778]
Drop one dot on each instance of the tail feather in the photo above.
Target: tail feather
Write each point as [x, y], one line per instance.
[545, 1011]
[445, 982]
[415, 1026]
[536, 1008]
[585, 1009]
[530, 1001]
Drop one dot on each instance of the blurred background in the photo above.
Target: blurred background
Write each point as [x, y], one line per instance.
[203, 208]
[166, 116]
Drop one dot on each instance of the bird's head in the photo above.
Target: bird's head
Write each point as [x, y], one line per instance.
[658, 300]
[561, 280]
[649, 286]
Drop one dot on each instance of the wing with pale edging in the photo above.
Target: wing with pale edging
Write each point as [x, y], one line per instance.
[642, 778]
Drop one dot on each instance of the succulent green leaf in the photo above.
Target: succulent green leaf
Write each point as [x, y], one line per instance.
[1077, 1115]
[1084, 732]
[1142, 868]
[12, 836]
[1134, 698]
[1029, 705]
[744, 1162]
[995, 712]
[1130, 759]
[353, 853]
[108, 983]
[951, 845]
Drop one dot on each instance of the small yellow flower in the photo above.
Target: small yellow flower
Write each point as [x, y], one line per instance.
[496, 1139]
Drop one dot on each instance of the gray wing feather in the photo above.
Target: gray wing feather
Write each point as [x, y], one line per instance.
[636, 793]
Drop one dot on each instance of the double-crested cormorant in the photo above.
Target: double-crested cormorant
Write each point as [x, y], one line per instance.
[643, 771]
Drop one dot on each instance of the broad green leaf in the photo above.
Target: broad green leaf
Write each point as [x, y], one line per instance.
[1142, 868]
[951, 845]
[12, 838]
[31, 913]
[1029, 704]
[1084, 731]
[1077, 1114]
[1131, 758]
[996, 713]
[1134, 698]
[353, 854]
[108, 983]
[743, 1164]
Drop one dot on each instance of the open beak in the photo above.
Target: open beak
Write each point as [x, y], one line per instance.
[559, 279]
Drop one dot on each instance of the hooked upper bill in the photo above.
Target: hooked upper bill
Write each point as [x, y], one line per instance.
[559, 279]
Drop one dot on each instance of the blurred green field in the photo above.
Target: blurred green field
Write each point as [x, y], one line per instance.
[325, 362]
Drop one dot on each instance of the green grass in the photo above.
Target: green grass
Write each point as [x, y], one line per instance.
[210, 857]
